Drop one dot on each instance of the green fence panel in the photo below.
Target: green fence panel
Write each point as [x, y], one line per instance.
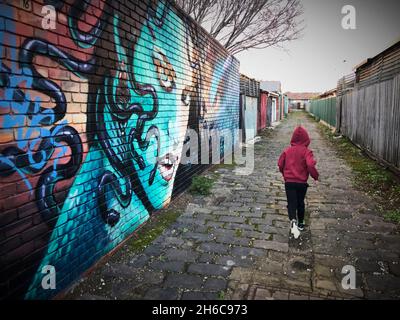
[324, 109]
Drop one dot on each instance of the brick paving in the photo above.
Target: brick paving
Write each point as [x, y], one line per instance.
[235, 243]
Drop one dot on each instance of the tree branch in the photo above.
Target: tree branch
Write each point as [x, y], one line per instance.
[248, 24]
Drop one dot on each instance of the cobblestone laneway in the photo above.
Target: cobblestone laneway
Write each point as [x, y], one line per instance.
[235, 245]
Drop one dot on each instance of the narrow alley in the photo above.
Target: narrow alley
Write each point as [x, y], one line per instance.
[234, 244]
[117, 118]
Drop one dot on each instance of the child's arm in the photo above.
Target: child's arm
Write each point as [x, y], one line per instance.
[311, 165]
[281, 162]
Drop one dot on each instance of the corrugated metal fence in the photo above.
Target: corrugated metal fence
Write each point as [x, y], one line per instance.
[324, 109]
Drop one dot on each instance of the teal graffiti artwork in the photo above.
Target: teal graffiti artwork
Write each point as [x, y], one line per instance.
[145, 85]
[141, 113]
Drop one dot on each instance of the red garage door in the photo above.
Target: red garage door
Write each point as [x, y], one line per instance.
[262, 114]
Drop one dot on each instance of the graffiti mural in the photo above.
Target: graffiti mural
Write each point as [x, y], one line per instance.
[93, 122]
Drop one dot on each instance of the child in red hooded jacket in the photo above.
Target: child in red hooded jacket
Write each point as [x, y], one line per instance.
[296, 163]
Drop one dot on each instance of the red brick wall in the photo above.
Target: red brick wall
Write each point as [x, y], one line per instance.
[76, 104]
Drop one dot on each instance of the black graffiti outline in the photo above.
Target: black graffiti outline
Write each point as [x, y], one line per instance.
[81, 38]
[126, 169]
[45, 187]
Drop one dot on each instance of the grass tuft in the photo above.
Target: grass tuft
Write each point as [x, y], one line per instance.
[221, 295]
[151, 230]
[370, 177]
[393, 216]
[201, 185]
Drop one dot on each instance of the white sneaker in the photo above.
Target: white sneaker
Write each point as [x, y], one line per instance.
[293, 229]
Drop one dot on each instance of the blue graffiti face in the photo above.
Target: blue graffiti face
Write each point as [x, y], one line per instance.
[147, 108]
[138, 112]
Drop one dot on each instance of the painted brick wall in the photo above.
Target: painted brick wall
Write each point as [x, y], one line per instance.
[85, 111]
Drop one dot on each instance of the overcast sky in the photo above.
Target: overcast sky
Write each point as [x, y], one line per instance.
[327, 51]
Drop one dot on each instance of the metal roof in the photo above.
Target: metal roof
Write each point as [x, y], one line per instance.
[384, 66]
[271, 86]
[249, 87]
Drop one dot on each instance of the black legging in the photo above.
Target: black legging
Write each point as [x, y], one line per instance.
[295, 193]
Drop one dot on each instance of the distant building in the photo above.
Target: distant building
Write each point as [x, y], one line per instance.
[275, 102]
[262, 105]
[298, 100]
[328, 94]
[249, 106]
[271, 86]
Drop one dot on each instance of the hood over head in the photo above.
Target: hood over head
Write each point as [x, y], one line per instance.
[300, 137]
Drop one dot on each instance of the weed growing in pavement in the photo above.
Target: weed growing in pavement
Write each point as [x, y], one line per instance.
[370, 177]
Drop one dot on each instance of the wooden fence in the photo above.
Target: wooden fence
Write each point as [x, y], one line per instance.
[370, 117]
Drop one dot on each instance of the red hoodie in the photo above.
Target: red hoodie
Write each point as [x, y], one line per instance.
[297, 161]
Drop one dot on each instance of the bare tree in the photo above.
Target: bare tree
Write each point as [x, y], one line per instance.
[247, 24]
